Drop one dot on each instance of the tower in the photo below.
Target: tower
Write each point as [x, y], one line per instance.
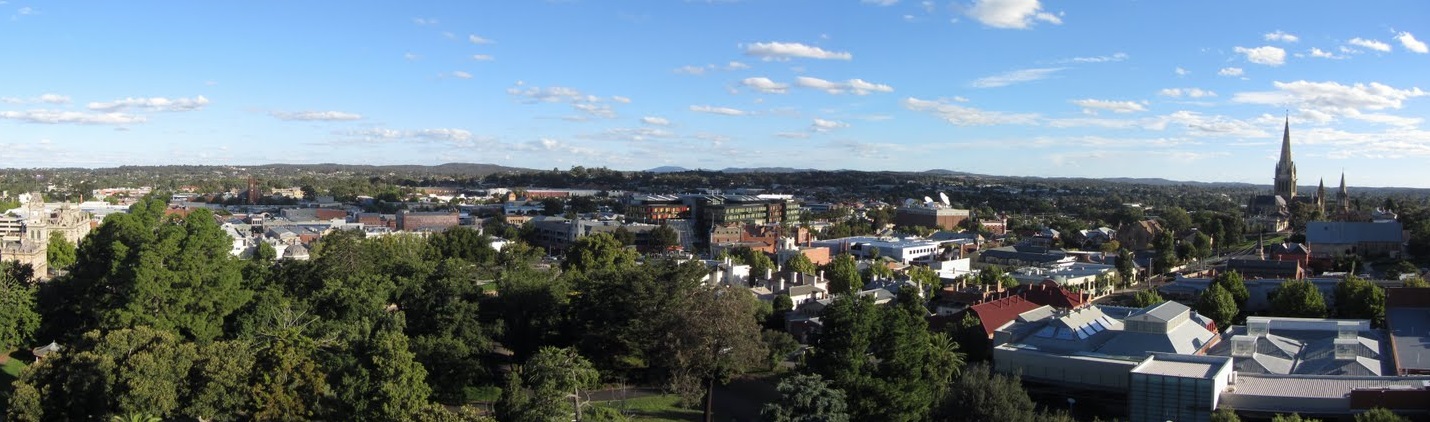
[252, 191]
[1285, 168]
[1321, 196]
[37, 221]
[1343, 200]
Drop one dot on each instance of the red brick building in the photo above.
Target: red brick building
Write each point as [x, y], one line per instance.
[427, 221]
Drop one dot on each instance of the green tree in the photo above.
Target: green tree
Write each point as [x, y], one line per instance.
[971, 338]
[1402, 267]
[18, 319]
[597, 252]
[1232, 282]
[264, 253]
[400, 383]
[103, 374]
[1298, 298]
[60, 253]
[547, 388]
[841, 350]
[663, 238]
[442, 313]
[290, 384]
[1216, 303]
[1379, 414]
[993, 275]
[1175, 219]
[979, 394]
[219, 380]
[807, 398]
[714, 336]
[140, 270]
[1292, 418]
[1166, 252]
[843, 274]
[1358, 298]
[1125, 266]
[465, 244]
[800, 264]
[1225, 414]
[1416, 282]
[624, 236]
[1145, 298]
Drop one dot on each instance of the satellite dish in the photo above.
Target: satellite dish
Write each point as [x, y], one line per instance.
[928, 200]
[944, 197]
[909, 202]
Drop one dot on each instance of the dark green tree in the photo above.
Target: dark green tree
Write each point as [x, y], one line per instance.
[1175, 219]
[663, 238]
[1379, 414]
[1125, 267]
[1292, 418]
[800, 264]
[443, 313]
[60, 253]
[465, 244]
[1298, 298]
[1145, 298]
[18, 319]
[596, 253]
[1216, 303]
[982, 395]
[1358, 298]
[1232, 282]
[807, 398]
[843, 274]
[1225, 414]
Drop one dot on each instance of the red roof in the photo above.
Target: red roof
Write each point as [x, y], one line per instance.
[1049, 293]
[995, 313]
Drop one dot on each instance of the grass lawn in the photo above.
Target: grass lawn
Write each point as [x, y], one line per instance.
[11, 370]
[663, 407]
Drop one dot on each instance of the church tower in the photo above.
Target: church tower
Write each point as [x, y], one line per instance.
[1343, 200]
[1285, 168]
[37, 221]
[1321, 197]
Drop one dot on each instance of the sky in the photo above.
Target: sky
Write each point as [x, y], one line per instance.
[1188, 90]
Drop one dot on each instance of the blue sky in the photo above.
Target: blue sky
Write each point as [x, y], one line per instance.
[1178, 90]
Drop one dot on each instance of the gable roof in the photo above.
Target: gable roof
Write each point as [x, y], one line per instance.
[994, 314]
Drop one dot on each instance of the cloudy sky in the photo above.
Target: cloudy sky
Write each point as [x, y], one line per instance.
[1193, 90]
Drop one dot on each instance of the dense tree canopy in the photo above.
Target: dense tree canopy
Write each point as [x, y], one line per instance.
[1358, 298]
[1216, 303]
[1298, 298]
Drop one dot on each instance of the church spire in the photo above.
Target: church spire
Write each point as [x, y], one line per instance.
[1286, 142]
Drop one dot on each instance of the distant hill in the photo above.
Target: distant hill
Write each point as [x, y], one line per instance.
[667, 169]
[767, 170]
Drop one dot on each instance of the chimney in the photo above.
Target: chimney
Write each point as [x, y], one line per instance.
[769, 274]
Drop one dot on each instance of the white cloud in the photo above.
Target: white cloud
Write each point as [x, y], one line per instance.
[1182, 72]
[153, 103]
[1322, 54]
[1332, 97]
[1016, 76]
[1010, 14]
[700, 70]
[793, 135]
[1412, 44]
[46, 98]
[1231, 71]
[967, 116]
[475, 39]
[589, 105]
[655, 121]
[726, 111]
[1281, 36]
[1267, 55]
[76, 117]
[457, 136]
[785, 51]
[1188, 92]
[483, 57]
[852, 86]
[329, 116]
[1371, 44]
[461, 75]
[424, 21]
[880, 2]
[765, 85]
[1115, 57]
[823, 126]
[1091, 106]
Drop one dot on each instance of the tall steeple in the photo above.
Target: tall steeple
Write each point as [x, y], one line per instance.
[1343, 199]
[1321, 196]
[1285, 185]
